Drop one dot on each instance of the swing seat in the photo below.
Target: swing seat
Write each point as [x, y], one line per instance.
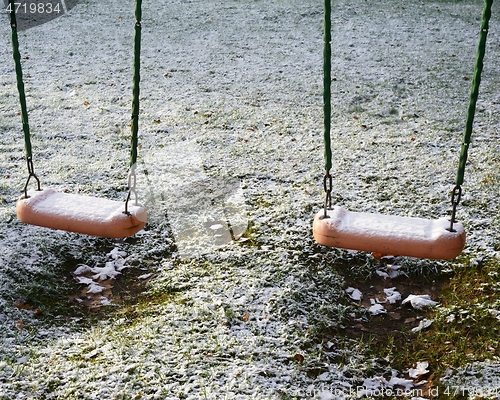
[388, 234]
[81, 214]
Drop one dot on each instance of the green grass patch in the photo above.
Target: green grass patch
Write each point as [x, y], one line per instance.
[465, 325]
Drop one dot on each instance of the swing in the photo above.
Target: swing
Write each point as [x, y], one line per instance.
[443, 238]
[71, 212]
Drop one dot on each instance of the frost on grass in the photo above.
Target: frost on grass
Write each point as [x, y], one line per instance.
[230, 167]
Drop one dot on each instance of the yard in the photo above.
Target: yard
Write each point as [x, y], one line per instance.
[225, 294]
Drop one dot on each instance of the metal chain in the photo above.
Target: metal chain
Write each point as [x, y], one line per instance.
[132, 178]
[132, 182]
[22, 99]
[31, 173]
[471, 110]
[327, 83]
[327, 186]
[455, 201]
[327, 107]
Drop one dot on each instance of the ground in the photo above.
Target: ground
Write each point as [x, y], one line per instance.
[225, 294]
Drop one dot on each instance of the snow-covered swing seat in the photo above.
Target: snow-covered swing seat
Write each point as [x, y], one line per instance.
[72, 212]
[442, 238]
[389, 234]
[83, 214]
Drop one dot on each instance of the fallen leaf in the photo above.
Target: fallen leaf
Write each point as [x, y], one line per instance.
[420, 301]
[420, 369]
[245, 317]
[354, 293]
[299, 357]
[425, 323]
[377, 309]
[22, 305]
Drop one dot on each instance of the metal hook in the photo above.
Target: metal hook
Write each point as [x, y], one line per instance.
[31, 173]
[455, 200]
[327, 185]
[132, 181]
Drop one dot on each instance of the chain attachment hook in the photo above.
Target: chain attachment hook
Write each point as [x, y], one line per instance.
[455, 200]
[327, 186]
[31, 173]
[132, 181]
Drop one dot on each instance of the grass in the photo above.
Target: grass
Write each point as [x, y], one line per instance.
[465, 327]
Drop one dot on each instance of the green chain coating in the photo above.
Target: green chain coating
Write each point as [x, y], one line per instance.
[327, 81]
[19, 77]
[476, 80]
[136, 80]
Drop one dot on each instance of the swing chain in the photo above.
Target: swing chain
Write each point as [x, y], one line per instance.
[328, 186]
[455, 200]
[31, 173]
[132, 181]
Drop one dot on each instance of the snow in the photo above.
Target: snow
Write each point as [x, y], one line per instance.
[419, 301]
[354, 293]
[377, 309]
[389, 234]
[392, 295]
[231, 138]
[83, 214]
[73, 206]
[420, 369]
[425, 323]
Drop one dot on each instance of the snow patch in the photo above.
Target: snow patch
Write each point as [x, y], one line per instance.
[420, 301]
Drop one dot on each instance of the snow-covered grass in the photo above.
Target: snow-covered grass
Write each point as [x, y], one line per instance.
[231, 148]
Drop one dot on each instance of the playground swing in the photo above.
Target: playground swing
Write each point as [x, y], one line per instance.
[443, 238]
[71, 212]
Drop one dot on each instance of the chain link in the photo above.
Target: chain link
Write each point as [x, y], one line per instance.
[456, 196]
[132, 182]
[327, 186]
[31, 173]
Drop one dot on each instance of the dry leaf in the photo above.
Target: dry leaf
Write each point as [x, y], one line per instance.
[22, 305]
[299, 357]
[246, 317]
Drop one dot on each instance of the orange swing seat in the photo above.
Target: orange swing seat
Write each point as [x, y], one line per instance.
[389, 234]
[81, 214]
